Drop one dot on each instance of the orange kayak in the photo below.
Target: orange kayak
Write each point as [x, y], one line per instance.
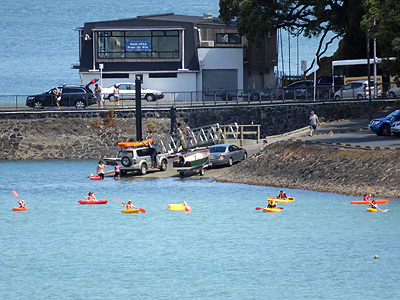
[378, 201]
[134, 144]
[18, 208]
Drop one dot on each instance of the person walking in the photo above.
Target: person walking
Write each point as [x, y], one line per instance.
[58, 93]
[314, 123]
[99, 95]
[100, 169]
[116, 95]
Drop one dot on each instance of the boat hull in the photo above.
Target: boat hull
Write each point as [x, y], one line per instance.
[191, 160]
[370, 209]
[19, 208]
[130, 211]
[135, 144]
[280, 200]
[93, 202]
[266, 209]
[378, 201]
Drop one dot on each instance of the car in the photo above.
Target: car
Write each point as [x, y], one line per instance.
[266, 94]
[395, 128]
[127, 91]
[393, 92]
[324, 86]
[226, 154]
[382, 126]
[136, 159]
[299, 89]
[79, 96]
[355, 89]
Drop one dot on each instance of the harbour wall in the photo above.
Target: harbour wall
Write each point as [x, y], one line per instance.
[76, 134]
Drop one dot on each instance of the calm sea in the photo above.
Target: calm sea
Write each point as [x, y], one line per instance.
[318, 247]
[39, 44]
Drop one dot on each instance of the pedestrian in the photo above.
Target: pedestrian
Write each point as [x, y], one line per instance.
[58, 93]
[117, 172]
[99, 95]
[100, 169]
[153, 155]
[116, 95]
[314, 123]
[181, 136]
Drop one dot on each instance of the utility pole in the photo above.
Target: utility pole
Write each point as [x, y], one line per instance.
[138, 100]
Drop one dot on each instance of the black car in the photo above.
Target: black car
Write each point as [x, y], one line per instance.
[326, 88]
[79, 96]
[299, 89]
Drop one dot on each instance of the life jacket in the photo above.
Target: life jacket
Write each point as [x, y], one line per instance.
[117, 168]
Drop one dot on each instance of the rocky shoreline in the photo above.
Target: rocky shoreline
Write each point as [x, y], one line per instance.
[322, 168]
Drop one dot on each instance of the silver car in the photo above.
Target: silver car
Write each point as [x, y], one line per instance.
[226, 154]
[393, 92]
[356, 89]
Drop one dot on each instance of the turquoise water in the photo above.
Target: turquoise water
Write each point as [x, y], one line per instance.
[318, 247]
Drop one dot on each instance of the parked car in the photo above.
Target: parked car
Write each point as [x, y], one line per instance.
[127, 91]
[266, 94]
[395, 128]
[138, 159]
[299, 89]
[382, 126]
[79, 96]
[326, 88]
[356, 89]
[226, 154]
[393, 92]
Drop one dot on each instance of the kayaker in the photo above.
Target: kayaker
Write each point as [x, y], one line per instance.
[281, 195]
[100, 169]
[21, 203]
[373, 204]
[271, 204]
[129, 205]
[91, 197]
[367, 197]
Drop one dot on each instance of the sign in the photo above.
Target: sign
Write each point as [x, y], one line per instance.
[303, 65]
[138, 45]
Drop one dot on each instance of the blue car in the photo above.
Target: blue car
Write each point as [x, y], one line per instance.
[382, 126]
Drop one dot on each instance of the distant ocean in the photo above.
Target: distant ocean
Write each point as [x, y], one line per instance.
[39, 44]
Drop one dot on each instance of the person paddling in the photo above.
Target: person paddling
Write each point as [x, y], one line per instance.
[373, 204]
[271, 204]
[129, 205]
[367, 197]
[281, 195]
[91, 197]
[21, 203]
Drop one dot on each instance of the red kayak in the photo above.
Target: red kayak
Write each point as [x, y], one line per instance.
[93, 202]
[378, 201]
[95, 177]
[18, 208]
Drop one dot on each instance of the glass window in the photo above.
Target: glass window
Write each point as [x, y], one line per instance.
[138, 44]
[228, 38]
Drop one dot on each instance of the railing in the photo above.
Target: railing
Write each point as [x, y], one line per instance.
[221, 97]
[239, 131]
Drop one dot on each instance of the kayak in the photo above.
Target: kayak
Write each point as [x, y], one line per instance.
[95, 177]
[370, 209]
[135, 144]
[18, 208]
[93, 202]
[178, 207]
[266, 209]
[378, 201]
[288, 199]
[130, 211]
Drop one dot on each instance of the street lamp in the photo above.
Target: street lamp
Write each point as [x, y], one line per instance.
[101, 67]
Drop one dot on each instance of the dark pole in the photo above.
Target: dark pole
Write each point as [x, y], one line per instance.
[173, 119]
[138, 100]
[369, 76]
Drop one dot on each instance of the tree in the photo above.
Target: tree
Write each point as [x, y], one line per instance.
[382, 21]
[312, 18]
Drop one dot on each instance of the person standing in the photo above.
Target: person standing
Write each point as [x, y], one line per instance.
[58, 93]
[116, 95]
[100, 169]
[314, 123]
[99, 95]
[117, 172]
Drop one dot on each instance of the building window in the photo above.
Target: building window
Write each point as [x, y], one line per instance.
[228, 38]
[138, 44]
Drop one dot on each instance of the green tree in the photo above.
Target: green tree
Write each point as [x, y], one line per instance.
[311, 18]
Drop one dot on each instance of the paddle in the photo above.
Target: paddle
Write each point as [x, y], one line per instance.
[15, 194]
[142, 210]
[377, 207]
[260, 208]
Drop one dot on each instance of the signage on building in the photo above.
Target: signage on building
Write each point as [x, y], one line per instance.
[138, 45]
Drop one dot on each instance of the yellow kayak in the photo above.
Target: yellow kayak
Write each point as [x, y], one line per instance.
[370, 209]
[266, 209]
[130, 211]
[179, 207]
[288, 199]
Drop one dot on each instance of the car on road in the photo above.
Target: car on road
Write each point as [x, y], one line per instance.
[127, 91]
[395, 128]
[226, 154]
[326, 86]
[299, 89]
[79, 96]
[136, 159]
[393, 92]
[383, 126]
[356, 89]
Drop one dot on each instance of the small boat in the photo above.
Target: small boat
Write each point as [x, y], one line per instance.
[191, 161]
[130, 211]
[378, 201]
[93, 202]
[19, 208]
[267, 209]
[288, 199]
[135, 144]
[182, 206]
[95, 177]
[370, 209]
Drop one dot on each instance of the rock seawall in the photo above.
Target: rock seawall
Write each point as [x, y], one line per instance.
[323, 168]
